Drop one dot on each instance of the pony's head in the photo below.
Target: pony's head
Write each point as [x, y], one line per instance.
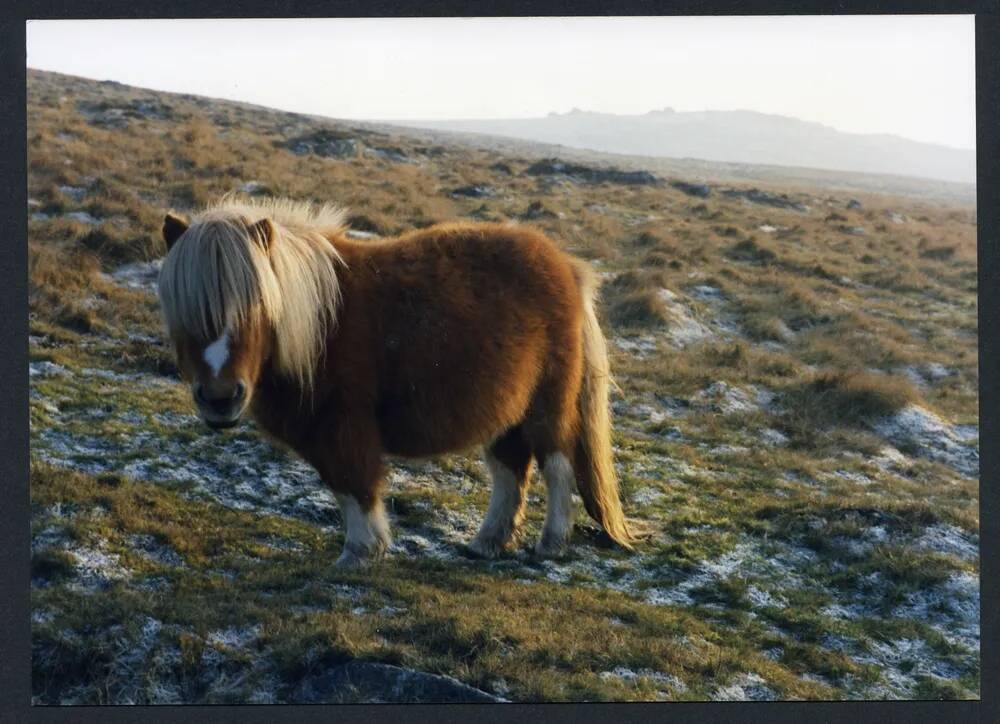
[242, 292]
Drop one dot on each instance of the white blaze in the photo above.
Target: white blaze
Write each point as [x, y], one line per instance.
[217, 353]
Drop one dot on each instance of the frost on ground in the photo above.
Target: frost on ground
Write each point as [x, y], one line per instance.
[759, 576]
[924, 434]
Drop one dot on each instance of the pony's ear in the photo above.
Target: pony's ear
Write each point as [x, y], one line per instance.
[263, 232]
[173, 227]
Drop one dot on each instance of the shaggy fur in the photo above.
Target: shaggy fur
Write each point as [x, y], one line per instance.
[442, 339]
[212, 280]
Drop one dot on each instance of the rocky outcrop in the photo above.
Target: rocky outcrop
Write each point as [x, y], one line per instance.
[578, 173]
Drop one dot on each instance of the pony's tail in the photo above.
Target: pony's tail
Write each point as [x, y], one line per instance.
[594, 465]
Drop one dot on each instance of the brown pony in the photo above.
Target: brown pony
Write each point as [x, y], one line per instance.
[436, 341]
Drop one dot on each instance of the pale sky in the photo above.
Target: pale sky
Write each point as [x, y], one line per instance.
[913, 76]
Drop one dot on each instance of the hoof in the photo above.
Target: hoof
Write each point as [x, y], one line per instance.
[352, 559]
[488, 549]
[551, 546]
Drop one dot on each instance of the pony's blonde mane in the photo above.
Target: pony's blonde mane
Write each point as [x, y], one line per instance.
[217, 276]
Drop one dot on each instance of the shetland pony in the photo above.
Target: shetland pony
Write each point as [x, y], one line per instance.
[444, 338]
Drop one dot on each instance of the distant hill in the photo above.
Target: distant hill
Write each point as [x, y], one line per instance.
[730, 136]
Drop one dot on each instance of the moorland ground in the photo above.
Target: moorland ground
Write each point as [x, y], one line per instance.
[796, 420]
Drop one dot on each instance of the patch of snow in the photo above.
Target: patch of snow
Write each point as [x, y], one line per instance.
[47, 369]
[139, 275]
[645, 496]
[745, 687]
[252, 187]
[74, 192]
[83, 217]
[904, 660]
[771, 437]
[234, 637]
[683, 328]
[950, 539]
[705, 292]
[97, 568]
[966, 433]
[930, 437]
[641, 346]
[729, 399]
[660, 678]
[759, 598]
[148, 547]
[890, 458]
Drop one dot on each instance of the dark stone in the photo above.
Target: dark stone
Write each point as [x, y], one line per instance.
[327, 144]
[474, 191]
[701, 190]
[854, 204]
[537, 210]
[359, 681]
[389, 153]
[756, 196]
[587, 174]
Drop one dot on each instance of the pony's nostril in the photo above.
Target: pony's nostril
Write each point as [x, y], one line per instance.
[198, 395]
[240, 392]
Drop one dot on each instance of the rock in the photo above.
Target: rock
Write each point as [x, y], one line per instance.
[700, 190]
[474, 191]
[578, 173]
[756, 196]
[854, 204]
[536, 210]
[372, 682]
[852, 230]
[896, 218]
[105, 114]
[327, 144]
[502, 168]
[388, 153]
[767, 228]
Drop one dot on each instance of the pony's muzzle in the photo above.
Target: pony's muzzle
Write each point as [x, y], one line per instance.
[223, 407]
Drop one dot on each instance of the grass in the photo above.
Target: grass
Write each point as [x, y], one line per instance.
[839, 398]
[172, 565]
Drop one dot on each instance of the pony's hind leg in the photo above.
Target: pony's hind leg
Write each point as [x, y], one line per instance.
[509, 460]
[559, 482]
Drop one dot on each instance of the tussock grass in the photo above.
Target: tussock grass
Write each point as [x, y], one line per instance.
[841, 398]
[643, 309]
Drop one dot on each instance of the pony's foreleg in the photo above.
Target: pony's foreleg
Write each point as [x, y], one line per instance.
[508, 460]
[350, 462]
[367, 535]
